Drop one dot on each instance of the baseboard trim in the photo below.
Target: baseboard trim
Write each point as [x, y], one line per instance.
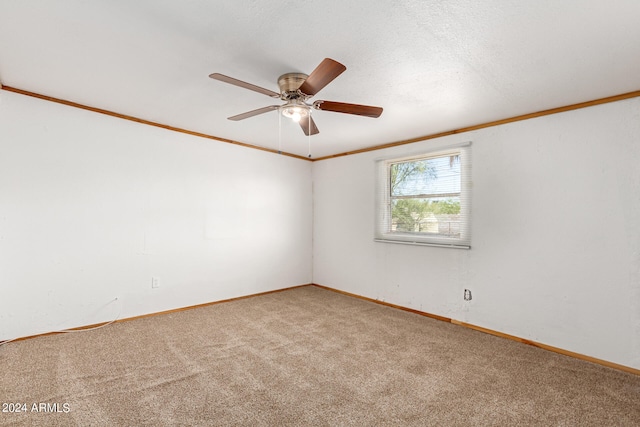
[158, 313]
[492, 332]
[399, 307]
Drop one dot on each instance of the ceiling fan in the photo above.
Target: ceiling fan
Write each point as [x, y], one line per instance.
[296, 89]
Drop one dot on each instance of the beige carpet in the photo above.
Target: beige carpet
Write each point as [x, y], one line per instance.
[306, 356]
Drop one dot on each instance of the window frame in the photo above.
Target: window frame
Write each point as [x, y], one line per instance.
[384, 198]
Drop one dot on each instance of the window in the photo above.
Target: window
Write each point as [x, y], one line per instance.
[425, 199]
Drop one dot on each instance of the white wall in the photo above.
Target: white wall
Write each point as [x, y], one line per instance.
[555, 254]
[92, 207]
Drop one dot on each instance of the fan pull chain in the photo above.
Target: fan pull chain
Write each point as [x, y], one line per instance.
[309, 133]
[279, 132]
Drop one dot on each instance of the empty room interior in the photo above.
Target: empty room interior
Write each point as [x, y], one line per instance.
[435, 219]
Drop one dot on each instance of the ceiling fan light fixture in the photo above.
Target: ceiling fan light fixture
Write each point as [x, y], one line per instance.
[295, 111]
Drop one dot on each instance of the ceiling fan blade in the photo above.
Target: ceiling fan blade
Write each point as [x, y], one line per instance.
[309, 126]
[254, 112]
[322, 76]
[240, 83]
[341, 107]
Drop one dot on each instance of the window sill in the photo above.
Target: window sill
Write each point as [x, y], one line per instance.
[414, 243]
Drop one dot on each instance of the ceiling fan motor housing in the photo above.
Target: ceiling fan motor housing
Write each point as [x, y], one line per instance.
[289, 84]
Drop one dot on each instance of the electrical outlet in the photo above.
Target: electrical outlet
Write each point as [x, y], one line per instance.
[467, 295]
[155, 282]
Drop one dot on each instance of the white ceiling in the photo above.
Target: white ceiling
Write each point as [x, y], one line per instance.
[434, 65]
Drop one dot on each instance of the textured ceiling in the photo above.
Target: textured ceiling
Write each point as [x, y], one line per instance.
[433, 65]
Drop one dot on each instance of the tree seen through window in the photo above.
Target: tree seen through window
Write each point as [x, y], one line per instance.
[425, 196]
